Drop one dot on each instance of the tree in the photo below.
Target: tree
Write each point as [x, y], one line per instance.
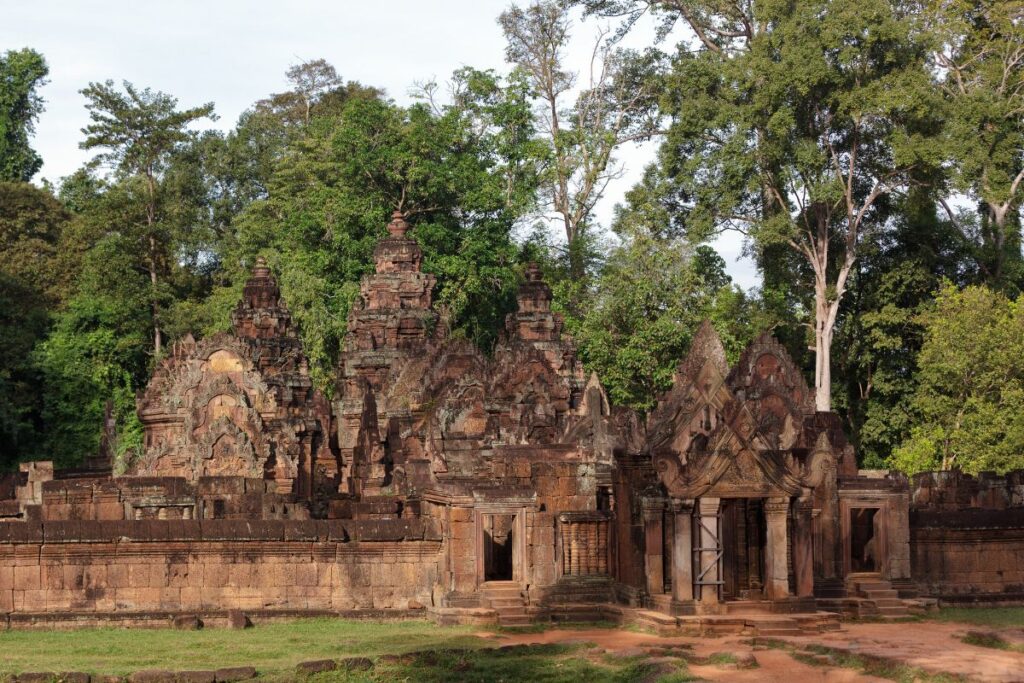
[96, 353]
[651, 295]
[22, 73]
[791, 123]
[461, 174]
[615, 106]
[32, 285]
[882, 330]
[969, 403]
[140, 129]
[978, 59]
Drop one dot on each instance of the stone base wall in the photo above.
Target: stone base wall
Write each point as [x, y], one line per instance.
[180, 566]
[970, 556]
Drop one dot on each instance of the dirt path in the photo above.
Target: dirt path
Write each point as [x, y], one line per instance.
[933, 647]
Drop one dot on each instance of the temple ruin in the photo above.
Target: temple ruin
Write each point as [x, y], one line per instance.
[485, 488]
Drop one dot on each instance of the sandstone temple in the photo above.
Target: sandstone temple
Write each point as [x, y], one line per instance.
[483, 488]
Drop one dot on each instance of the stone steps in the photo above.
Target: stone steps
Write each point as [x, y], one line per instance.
[506, 599]
[875, 597]
[500, 603]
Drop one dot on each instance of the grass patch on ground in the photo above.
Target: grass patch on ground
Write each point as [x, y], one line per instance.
[540, 627]
[275, 647]
[981, 616]
[548, 663]
[401, 651]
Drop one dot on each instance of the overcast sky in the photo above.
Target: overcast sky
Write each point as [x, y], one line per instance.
[233, 52]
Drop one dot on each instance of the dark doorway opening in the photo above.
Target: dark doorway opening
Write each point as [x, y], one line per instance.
[498, 539]
[863, 540]
[744, 531]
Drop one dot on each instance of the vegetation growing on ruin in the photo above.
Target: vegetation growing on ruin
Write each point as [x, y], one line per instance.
[871, 152]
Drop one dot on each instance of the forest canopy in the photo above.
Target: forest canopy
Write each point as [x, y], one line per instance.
[870, 153]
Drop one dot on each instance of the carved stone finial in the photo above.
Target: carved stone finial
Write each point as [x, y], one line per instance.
[261, 269]
[398, 227]
[533, 273]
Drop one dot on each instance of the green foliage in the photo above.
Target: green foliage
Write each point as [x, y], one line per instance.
[22, 72]
[969, 402]
[140, 131]
[791, 122]
[882, 335]
[31, 283]
[137, 128]
[462, 175]
[978, 56]
[95, 353]
[581, 136]
[650, 297]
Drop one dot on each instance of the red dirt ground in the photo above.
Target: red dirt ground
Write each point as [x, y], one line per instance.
[934, 647]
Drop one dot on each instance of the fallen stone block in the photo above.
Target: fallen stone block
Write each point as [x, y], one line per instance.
[152, 676]
[74, 677]
[196, 677]
[37, 677]
[235, 673]
[187, 622]
[237, 619]
[316, 666]
[357, 664]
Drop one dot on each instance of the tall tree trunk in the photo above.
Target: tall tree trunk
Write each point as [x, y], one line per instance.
[822, 352]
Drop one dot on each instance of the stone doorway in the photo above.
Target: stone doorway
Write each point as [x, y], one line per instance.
[744, 532]
[864, 540]
[499, 547]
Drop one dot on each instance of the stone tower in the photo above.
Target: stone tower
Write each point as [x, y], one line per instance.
[239, 404]
[389, 324]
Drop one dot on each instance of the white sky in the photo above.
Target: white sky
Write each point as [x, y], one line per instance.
[233, 52]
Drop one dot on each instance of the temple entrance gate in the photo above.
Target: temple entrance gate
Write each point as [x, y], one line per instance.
[499, 536]
[744, 529]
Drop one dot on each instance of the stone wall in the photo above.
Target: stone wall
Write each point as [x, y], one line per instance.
[969, 555]
[104, 568]
[967, 536]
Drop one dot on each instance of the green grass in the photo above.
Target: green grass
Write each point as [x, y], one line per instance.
[981, 616]
[549, 663]
[270, 647]
[426, 653]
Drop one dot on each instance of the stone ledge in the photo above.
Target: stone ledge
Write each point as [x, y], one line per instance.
[162, 531]
[210, 619]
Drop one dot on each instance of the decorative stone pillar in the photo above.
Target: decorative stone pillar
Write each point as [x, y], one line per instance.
[775, 566]
[682, 550]
[803, 547]
[654, 561]
[709, 564]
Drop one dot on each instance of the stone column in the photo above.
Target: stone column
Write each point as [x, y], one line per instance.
[710, 562]
[775, 565]
[654, 513]
[682, 550]
[803, 547]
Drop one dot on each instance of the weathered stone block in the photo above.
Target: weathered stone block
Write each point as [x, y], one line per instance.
[235, 673]
[187, 622]
[316, 666]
